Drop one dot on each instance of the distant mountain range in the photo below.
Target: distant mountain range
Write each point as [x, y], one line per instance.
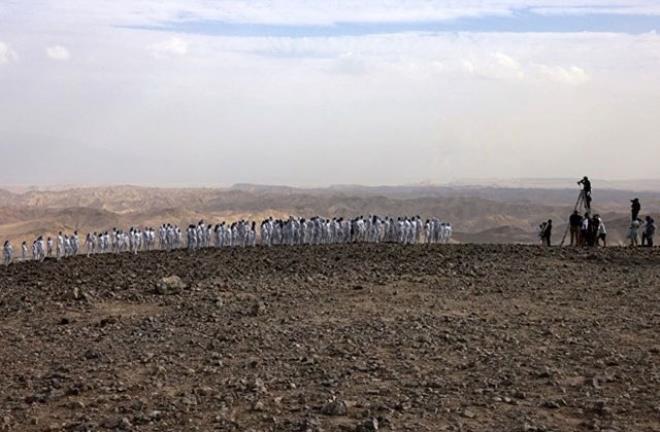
[481, 214]
[638, 185]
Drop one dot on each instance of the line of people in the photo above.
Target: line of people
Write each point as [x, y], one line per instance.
[271, 232]
[317, 230]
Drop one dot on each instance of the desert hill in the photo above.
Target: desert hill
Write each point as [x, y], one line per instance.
[479, 214]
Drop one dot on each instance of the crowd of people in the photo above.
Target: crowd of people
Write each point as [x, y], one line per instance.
[271, 232]
[589, 229]
[645, 227]
[586, 229]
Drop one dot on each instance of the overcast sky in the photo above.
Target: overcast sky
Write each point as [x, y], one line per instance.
[315, 92]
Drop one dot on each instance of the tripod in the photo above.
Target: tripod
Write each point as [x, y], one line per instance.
[580, 206]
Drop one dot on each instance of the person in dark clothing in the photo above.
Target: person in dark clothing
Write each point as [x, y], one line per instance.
[575, 222]
[584, 230]
[649, 232]
[594, 226]
[635, 208]
[586, 190]
[546, 235]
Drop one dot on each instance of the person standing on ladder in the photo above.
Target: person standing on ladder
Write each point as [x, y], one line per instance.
[586, 190]
[635, 208]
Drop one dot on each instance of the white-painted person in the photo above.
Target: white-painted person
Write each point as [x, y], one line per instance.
[7, 253]
[68, 250]
[60, 245]
[75, 243]
[41, 249]
[89, 244]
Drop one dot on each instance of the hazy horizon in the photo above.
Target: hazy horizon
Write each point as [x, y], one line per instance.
[312, 93]
[641, 185]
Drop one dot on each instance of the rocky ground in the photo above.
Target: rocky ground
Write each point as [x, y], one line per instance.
[337, 338]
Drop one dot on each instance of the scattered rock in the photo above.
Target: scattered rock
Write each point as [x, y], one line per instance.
[554, 403]
[92, 354]
[444, 354]
[258, 308]
[310, 424]
[335, 407]
[601, 408]
[258, 406]
[258, 386]
[170, 285]
[370, 425]
[121, 423]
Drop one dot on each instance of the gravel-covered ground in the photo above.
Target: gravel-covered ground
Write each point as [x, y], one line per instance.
[336, 338]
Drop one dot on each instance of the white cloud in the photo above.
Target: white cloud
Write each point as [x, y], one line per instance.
[469, 67]
[506, 61]
[500, 66]
[7, 55]
[63, 13]
[380, 108]
[572, 75]
[641, 8]
[349, 63]
[58, 53]
[172, 47]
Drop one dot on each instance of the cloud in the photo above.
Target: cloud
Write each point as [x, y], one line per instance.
[172, 47]
[510, 64]
[402, 106]
[323, 12]
[349, 63]
[506, 61]
[63, 13]
[469, 67]
[572, 75]
[58, 53]
[7, 55]
[642, 8]
[500, 66]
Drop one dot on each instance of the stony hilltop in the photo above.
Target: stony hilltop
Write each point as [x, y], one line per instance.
[334, 338]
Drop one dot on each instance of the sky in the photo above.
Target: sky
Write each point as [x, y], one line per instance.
[320, 92]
